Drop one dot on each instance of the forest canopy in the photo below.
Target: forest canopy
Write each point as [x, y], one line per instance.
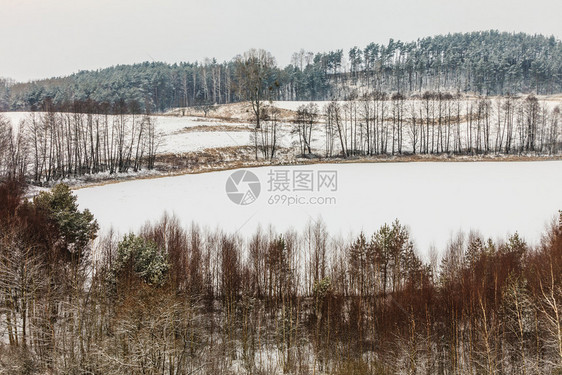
[486, 62]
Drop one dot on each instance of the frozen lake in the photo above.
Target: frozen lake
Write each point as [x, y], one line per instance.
[435, 199]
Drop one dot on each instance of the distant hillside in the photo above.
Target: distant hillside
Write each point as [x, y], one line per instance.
[488, 62]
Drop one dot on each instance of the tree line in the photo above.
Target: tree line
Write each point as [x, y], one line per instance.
[88, 138]
[487, 63]
[379, 123]
[172, 299]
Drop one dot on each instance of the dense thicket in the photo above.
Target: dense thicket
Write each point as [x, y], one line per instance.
[486, 62]
[173, 300]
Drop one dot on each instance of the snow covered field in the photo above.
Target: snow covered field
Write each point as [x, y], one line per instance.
[198, 141]
[294, 105]
[435, 199]
[181, 134]
[176, 134]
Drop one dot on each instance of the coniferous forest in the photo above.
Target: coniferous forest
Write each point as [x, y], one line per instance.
[487, 63]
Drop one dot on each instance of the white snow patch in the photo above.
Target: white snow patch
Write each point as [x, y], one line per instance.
[435, 199]
[197, 141]
[294, 105]
[174, 138]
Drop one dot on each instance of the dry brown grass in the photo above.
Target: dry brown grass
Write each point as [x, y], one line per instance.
[235, 157]
[233, 112]
[213, 128]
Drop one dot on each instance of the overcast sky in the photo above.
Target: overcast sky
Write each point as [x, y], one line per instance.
[44, 38]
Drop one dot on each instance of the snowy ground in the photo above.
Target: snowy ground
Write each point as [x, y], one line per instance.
[550, 101]
[294, 105]
[183, 134]
[177, 136]
[198, 141]
[435, 199]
